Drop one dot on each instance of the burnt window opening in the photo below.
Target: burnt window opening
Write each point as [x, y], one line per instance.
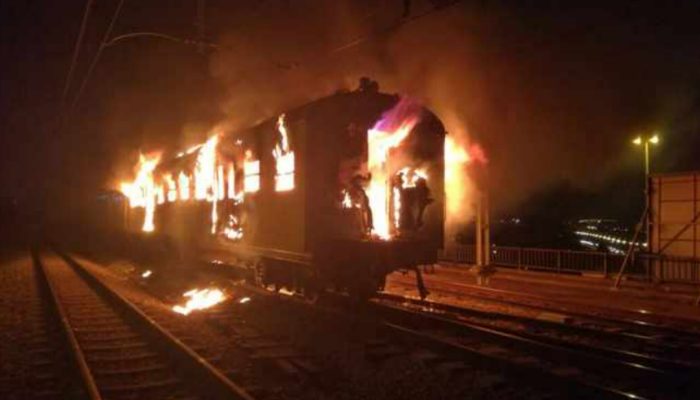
[251, 173]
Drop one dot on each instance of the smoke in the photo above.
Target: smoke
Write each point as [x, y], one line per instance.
[535, 87]
[299, 53]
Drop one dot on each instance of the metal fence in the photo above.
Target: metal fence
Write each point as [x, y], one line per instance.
[641, 265]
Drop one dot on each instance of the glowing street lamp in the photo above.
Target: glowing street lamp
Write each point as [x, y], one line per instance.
[645, 141]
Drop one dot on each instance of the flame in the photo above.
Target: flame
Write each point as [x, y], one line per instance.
[172, 187]
[233, 230]
[347, 201]
[221, 182]
[184, 186]
[251, 172]
[380, 143]
[199, 299]
[284, 159]
[231, 182]
[411, 176]
[458, 184]
[142, 191]
[188, 151]
[206, 177]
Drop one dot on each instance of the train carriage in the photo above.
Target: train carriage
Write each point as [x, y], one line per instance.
[339, 192]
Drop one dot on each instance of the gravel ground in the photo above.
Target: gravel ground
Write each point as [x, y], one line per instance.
[32, 356]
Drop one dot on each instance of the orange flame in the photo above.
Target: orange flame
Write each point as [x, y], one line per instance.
[231, 182]
[142, 191]
[458, 183]
[380, 144]
[184, 186]
[251, 172]
[200, 299]
[284, 159]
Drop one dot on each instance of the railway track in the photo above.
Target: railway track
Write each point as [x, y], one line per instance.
[439, 340]
[32, 358]
[297, 351]
[659, 334]
[606, 372]
[639, 319]
[544, 364]
[636, 351]
[120, 352]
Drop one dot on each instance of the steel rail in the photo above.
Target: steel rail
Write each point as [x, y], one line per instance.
[637, 323]
[393, 327]
[204, 376]
[78, 357]
[633, 359]
[505, 338]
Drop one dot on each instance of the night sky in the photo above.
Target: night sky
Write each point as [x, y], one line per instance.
[553, 91]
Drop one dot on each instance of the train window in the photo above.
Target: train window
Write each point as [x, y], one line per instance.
[284, 159]
[284, 178]
[251, 173]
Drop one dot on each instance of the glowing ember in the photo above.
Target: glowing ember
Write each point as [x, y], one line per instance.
[244, 300]
[251, 172]
[380, 143]
[146, 273]
[142, 191]
[284, 159]
[200, 299]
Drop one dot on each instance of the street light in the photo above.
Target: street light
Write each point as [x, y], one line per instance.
[645, 140]
[639, 141]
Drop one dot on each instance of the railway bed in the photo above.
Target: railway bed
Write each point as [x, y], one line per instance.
[612, 372]
[119, 351]
[290, 349]
[654, 328]
[339, 349]
[34, 359]
[633, 318]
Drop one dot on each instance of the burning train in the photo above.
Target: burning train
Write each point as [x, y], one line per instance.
[336, 193]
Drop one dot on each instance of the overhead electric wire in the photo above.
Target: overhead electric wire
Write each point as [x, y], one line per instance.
[103, 44]
[76, 51]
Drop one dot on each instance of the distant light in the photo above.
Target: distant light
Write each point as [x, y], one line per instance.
[654, 139]
[146, 273]
[244, 300]
[637, 140]
[218, 262]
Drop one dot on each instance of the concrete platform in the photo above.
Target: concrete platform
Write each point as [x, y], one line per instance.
[587, 291]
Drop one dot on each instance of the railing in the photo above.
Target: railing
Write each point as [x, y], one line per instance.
[641, 265]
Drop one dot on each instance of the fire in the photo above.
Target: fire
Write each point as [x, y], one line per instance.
[200, 299]
[284, 159]
[142, 192]
[251, 172]
[206, 178]
[184, 186]
[233, 230]
[380, 143]
[172, 187]
[231, 182]
[458, 184]
[347, 200]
